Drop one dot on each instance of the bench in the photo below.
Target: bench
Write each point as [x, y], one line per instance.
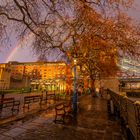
[50, 97]
[9, 103]
[68, 108]
[62, 97]
[28, 100]
[63, 110]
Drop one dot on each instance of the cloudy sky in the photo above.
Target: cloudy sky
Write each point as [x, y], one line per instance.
[17, 51]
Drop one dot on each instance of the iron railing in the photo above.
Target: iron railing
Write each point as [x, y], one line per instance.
[129, 111]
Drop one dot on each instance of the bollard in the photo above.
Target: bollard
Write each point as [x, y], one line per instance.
[117, 112]
[1, 102]
[111, 107]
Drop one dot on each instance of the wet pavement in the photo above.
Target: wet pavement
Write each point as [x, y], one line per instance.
[93, 123]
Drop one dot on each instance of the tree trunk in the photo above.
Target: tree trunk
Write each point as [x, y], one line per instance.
[93, 86]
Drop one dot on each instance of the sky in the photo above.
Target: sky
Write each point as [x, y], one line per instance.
[22, 52]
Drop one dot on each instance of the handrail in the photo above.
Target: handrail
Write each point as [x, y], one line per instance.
[129, 111]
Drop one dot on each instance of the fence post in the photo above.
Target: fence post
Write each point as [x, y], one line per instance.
[111, 107]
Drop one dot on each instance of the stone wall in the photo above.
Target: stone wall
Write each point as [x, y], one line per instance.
[111, 83]
[25, 82]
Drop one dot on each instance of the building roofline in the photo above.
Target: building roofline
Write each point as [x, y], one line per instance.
[18, 63]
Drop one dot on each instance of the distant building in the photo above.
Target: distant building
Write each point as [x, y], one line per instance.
[129, 68]
[41, 74]
[5, 74]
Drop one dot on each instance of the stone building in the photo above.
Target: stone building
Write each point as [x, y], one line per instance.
[50, 75]
[40, 75]
[5, 74]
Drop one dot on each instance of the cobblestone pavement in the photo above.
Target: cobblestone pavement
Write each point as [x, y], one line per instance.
[93, 123]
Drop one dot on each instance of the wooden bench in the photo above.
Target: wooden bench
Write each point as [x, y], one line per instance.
[50, 97]
[44, 98]
[28, 100]
[63, 110]
[9, 103]
[68, 108]
[60, 113]
[64, 97]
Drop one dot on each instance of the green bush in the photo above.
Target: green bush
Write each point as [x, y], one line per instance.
[23, 90]
[9, 91]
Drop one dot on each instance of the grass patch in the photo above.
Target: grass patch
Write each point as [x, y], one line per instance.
[13, 91]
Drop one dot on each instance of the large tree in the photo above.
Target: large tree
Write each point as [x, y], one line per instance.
[54, 22]
[100, 42]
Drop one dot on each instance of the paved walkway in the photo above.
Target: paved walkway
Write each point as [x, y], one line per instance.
[93, 123]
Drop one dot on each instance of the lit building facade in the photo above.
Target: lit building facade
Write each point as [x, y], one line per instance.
[43, 75]
[5, 74]
[40, 75]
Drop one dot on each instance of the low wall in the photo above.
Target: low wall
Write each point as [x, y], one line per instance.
[129, 111]
[19, 84]
[109, 83]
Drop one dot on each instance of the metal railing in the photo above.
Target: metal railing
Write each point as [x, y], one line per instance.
[128, 110]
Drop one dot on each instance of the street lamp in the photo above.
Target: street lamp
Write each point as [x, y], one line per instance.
[74, 100]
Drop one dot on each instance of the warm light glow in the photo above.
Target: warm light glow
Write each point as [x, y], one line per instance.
[75, 61]
[97, 90]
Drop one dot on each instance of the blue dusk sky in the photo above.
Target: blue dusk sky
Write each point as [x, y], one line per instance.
[24, 53]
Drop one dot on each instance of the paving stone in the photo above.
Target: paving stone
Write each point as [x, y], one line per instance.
[39, 121]
[29, 126]
[14, 132]
[2, 137]
[1, 130]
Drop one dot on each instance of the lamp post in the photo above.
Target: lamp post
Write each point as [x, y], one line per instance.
[75, 93]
